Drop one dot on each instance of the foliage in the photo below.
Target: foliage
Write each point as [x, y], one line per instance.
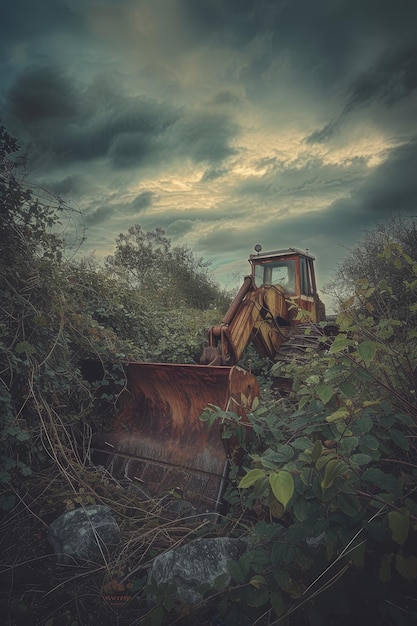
[332, 479]
[367, 263]
[55, 313]
[170, 275]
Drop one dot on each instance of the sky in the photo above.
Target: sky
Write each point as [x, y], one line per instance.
[289, 123]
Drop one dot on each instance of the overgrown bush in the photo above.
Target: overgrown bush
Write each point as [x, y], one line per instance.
[367, 264]
[55, 313]
[332, 481]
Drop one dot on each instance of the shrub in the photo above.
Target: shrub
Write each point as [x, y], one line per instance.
[331, 478]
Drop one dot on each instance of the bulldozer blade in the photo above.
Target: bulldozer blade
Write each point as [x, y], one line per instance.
[147, 426]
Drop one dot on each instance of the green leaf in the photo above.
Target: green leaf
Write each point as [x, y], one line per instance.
[369, 441]
[5, 477]
[236, 571]
[258, 581]
[261, 487]
[349, 504]
[367, 351]
[282, 486]
[377, 530]
[364, 423]
[221, 581]
[377, 477]
[399, 524]
[348, 445]
[340, 344]
[357, 555]
[22, 435]
[257, 597]
[251, 477]
[303, 402]
[407, 567]
[302, 443]
[24, 347]
[360, 459]
[275, 508]
[280, 454]
[334, 469]
[7, 502]
[399, 439]
[317, 450]
[325, 458]
[282, 578]
[278, 603]
[301, 509]
[340, 414]
[324, 392]
[260, 557]
[348, 389]
[281, 554]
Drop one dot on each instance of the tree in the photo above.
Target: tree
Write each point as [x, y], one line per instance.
[172, 275]
[367, 267]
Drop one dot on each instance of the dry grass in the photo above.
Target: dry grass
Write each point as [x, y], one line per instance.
[36, 589]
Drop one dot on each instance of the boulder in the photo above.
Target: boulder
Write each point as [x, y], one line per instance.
[87, 533]
[198, 562]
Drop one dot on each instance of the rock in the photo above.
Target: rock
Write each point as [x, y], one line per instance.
[86, 533]
[200, 561]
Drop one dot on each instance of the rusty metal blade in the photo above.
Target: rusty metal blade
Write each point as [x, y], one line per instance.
[155, 434]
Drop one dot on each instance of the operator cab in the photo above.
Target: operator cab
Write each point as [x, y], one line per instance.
[292, 270]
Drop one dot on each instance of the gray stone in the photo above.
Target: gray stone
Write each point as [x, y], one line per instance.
[86, 533]
[200, 561]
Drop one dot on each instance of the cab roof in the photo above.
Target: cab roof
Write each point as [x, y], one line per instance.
[278, 253]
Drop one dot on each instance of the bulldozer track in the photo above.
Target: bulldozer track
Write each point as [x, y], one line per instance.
[301, 339]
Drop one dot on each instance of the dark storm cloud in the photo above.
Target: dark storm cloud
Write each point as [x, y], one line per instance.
[390, 80]
[227, 96]
[73, 186]
[238, 20]
[226, 240]
[319, 34]
[170, 218]
[213, 173]
[24, 21]
[99, 215]
[302, 179]
[392, 187]
[143, 201]
[206, 136]
[129, 132]
[179, 228]
[83, 125]
[40, 94]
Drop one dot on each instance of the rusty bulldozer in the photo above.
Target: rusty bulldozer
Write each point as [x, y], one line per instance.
[146, 425]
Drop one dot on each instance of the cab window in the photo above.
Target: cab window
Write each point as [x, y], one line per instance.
[277, 273]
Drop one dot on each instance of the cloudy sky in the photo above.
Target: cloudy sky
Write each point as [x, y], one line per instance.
[225, 122]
